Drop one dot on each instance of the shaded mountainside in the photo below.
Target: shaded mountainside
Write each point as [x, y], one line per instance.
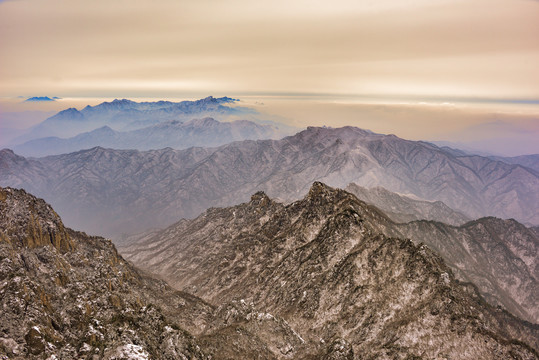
[401, 208]
[530, 161]
[175, 134]
[66, 295]
[111, 192]
[323, 264]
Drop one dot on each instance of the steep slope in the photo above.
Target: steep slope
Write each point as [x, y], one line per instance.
[322, 264]
[499, 256]
[175, 134]
[65, 295]
[402, 208]
[69, 295]
[116, 191]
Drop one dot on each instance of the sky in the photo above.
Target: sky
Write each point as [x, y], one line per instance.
[361, 54]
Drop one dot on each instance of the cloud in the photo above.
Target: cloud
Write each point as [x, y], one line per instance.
[414, 47]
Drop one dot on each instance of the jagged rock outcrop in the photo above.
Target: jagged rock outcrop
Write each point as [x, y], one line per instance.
[124, 191]
[324, 266]
[30, 222]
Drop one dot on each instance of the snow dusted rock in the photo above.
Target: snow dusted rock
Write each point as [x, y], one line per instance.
[324, 266]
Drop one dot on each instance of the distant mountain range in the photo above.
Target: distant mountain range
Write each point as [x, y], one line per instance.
[125, 115]
[310, 280]
[175, 134]
[41, 98]
[125, 191]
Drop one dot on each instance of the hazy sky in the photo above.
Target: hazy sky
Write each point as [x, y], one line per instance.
[392, 55]
[476, 48]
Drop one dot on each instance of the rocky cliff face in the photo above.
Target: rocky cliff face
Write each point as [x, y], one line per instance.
[30, 222]
[323, 264]
[123, 191]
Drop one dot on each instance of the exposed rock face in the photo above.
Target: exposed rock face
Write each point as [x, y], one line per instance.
[78, 299]
[123, 191]
[30, 222]
[323, 264]
[403, 209]
[175, 134]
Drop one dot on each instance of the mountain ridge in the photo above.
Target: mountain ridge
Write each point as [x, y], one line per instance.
[402, 208]
[85, 301]
[501, 261]
[295, 260]
[148, 189]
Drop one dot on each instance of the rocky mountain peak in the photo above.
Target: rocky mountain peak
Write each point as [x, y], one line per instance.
[260, 199]
[30, 222]
[207, 100]
[325, 199]
[122, 101]
[319, 189]
[68, 114]
[8, 153]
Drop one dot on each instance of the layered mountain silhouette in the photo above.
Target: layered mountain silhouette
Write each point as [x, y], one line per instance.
[124, 115]
[109, 192]
[310, 280]
[175, 134]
